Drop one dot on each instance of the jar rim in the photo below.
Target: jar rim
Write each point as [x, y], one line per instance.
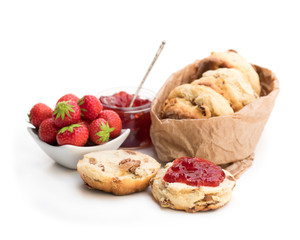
[144, 107]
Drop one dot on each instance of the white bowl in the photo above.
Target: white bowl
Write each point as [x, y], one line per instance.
[69, 155]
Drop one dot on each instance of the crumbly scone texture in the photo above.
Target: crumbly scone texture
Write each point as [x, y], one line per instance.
[181, 196]
[195, 101]
[231, 59]
[117, 171]
[230, 83]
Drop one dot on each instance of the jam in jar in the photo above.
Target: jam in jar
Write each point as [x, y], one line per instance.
[136, 118]
[195, 172]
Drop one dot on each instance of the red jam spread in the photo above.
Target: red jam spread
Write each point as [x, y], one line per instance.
[136, 118]
[195, 172]
[123, 99]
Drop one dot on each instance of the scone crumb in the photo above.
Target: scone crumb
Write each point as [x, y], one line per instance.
[207, 197]
[124, 161]
[101, 166]
[116, 180]
[165, 184]
[92, 161]
[129, 165]
[130, 152]
[166, 202]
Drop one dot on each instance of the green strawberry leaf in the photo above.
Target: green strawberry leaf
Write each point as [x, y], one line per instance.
[69, 128]
[80, 101]
[104, 133]
[62, 109]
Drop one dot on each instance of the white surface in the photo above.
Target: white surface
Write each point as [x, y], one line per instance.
[49, 48]
[68, 155]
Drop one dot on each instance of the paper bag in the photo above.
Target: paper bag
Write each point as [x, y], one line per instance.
[228, 141]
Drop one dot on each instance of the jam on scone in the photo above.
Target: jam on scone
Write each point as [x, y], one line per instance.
[195, 172]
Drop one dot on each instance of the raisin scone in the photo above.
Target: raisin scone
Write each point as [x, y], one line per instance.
[194, 102]
[117, 171]
[192, 184]
[230, 83]
[231, 59]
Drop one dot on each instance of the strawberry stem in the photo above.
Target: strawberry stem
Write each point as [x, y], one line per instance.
[80, 101]
[104, 133]
[69, 128]
[63, 108]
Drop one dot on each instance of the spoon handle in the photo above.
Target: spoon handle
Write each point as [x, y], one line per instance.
[149, 69]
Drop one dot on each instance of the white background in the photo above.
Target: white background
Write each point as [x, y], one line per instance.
[50, 48]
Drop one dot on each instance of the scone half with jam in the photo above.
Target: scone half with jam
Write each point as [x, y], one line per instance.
[192, 185]
[117, 171]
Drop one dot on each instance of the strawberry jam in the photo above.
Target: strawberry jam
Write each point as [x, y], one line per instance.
[136, 118]
[123, 99]
[195, 172]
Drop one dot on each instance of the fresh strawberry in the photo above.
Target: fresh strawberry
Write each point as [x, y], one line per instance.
[75, 134]
[90, 107]
[114, 121]
[38, 113]
[85, 122]
[100, 131]
[48, 130]
[67, 97]
[66, 113]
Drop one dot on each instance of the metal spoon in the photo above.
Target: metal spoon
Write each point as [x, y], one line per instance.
[149, 69]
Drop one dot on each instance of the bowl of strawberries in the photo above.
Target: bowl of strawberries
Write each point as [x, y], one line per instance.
[76, 126]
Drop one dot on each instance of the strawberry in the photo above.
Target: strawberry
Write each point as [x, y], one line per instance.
[90, 107]
[100, 131]
[48, 130]
[67, 97]
[66, 113]
[75, 134]
[38, 113]
[85, 122]
[114, 121]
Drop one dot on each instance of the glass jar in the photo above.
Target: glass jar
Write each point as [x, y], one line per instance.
[137, 119]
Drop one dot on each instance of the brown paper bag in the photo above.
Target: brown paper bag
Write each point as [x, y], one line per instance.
[228, 141]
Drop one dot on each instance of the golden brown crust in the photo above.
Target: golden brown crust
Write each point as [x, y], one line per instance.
[231, 84]
[230, 59]
[179, 108]
[230, 77]
[118, 186]
[119, 172]
[194, 101]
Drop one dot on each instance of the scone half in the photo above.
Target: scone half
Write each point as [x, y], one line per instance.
[117, 171]
[181, 196]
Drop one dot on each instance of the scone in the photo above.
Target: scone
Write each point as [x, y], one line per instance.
[195, 102]
[117, 171]
[231, 59]
[214, 190]
[230, 83]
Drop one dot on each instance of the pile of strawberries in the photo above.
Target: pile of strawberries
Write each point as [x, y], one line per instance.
[74, 121]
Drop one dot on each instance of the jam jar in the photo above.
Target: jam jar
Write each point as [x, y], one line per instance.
[136, 118]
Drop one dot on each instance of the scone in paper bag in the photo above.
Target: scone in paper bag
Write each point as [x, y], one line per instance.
[228, 141]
